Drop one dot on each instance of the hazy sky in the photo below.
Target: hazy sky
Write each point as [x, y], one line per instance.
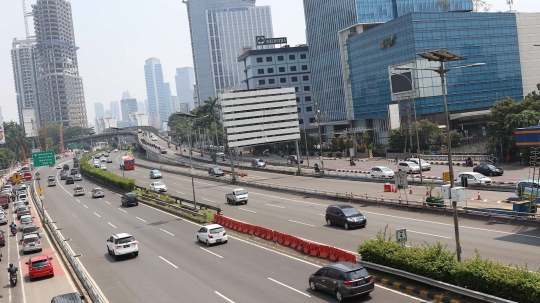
[116, 37]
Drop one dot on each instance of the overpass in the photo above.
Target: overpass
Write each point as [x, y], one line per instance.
[113, 134]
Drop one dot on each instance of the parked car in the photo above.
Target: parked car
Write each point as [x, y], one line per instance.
[129, 199]
[211, 234]
[103, 167]
[526, 187]
[63, 175]
[344, 215]
[381, 172]
[158, 187]
[238, 195]
[40, 266]
[122, 244]
[155, 174]
[70, 180]
[77, 177]
[216, 171]
[258, 163]
[488, 170]
[425, 165]
[474, 178]
[109, 160]
[31, 242]
[343, 280]
[409, 167]
[98, 192]
[78, 191]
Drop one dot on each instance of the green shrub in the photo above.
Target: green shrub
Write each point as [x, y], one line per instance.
[338, 154]
[329, 154]
[105, 176]
[438, 262]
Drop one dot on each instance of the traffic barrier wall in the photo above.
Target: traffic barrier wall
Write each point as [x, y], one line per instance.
[351, 258]
[324, 251]
[257, 231]
[276, 236]
[238, 226]
[251, 229]
[307, 249]
[333, 254]
[280, 237]
[245, 228]
[287, 240]
[300, 245]
[263, 232]
[224, 221]
[342, 255]
[216, 218]
[269, 234]
[294, 242]
[314, 249]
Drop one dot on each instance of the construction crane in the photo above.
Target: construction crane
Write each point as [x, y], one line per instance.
[25, 19]
[44, 134]
[37, 135]
[25, 161]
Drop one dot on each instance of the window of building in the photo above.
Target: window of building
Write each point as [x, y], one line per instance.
[268, 59]
[294, 79]
[259, 59]
[260, 71]
[305, 78]
[308, 98]
[309, 109]
[304, 67]
[271, 81]
[296, 89]
[282, 69]
[293, 68]
[303, 56]
[299, 109]
[270, 70]
[280, 58]
[282, 80]
[306, 88]
[262, 82]
[292, 57]
[301, 121]
[297, 99]
[311, 120]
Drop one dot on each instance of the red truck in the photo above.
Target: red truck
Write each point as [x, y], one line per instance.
[4, 201]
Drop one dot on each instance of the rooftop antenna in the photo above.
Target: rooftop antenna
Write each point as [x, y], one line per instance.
[25, 19]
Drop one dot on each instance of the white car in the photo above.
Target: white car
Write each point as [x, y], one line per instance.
[26, 220]
[103, 167]
[425, 165]
[220, 154]
[474, 178]
[211, 234]
[59, 166]
[122, 244]
[17, 204]
[3, 217]
[78, 191]
[23, 197]
[409, 167]
[31, 242]
[115, 150]
[258, 163]
[103, 159]
[381, 172]
[154, 138]
[158, 186]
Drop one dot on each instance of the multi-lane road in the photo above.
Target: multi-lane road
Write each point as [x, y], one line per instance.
[171, 265]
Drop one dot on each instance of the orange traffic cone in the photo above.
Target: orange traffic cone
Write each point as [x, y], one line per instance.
[382, 198]
[410, 190]
[427, 192]
[395, 190]
[400, 200]
[479, 198]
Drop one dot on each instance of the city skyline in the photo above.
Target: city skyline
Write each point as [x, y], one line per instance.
[120, 67]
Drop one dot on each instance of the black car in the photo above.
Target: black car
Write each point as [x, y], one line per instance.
[130, 199]
[215, 171]
[70, 180]
[74, 171]
[343, 279]
[63, 175]
[345, 215]
[488, 170]
[65, 167]
[109, 160]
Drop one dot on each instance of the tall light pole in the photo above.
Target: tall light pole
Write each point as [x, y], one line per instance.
[318, 120]
[119, 148]
[443, 56]
[226, 143]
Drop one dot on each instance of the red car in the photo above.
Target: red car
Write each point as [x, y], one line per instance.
[40, 266]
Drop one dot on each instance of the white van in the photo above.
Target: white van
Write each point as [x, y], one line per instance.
[96, 163]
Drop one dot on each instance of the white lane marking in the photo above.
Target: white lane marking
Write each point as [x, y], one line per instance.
[322, 215]
[289, 287]
[111, 224]
[97, 214]
[85, 206]
[240, 208]
[122, 210]
[302, 223]
[209, 200]
[417, 232]
[167, 232]
[180, 192]
[78, 200]
[142, 182]
[228, 300]
[275, 206]
[107, 202]
[168, 262]
[206, 250]
[140, 219]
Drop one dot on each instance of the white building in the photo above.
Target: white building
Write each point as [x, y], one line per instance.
[254, 117]
[138, 119]
[25, 76]
[105, 122]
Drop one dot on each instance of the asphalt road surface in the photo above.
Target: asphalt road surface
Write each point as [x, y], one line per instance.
[171, 265]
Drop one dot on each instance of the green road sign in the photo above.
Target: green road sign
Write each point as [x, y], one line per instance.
[44, 158]
[401, 236]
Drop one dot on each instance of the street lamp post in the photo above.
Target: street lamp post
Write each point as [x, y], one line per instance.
[443, 56]
[226, 143]
[119, 148]
[318, 120]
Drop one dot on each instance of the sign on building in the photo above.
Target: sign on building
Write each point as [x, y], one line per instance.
[262, 40]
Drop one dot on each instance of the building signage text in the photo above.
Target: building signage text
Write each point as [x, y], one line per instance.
[262, 40]
[233, 9]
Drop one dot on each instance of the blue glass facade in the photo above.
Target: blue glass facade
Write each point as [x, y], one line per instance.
[481, 37]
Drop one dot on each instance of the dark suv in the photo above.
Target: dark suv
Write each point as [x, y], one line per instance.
[73, 171]
[130, 199]
[344, 215]
[70, 180]
[342, 279]
[63, 175]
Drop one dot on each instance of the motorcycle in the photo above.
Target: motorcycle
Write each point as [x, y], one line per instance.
[13, 279]
[352, 163]
[469, 163]
[223, 158]
[14, 231]
[316, 167]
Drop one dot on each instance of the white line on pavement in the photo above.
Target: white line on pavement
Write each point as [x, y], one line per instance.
[142, 182]
[240, 208]
[167, 232]
[275, 206]
[209, 200]
[289, 287]
[108, 202]
[140, 219]
[122, 210]
[229, 300]
[97, 214]
[206, 250]
[417, 232]
[85, 206]
[111, 224]
[180, 192]
[302, 223]
[78, 200]
[168, 262]
[321, 214]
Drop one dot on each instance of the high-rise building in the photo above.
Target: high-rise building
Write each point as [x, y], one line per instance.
[106, 122]
[138, 119]
[107, 112]
[185, 78]
[175, 103]
[327, 50]
[60, 87]
[184, 108]
[115, 110]
[100, 110]
[23, 60]
[219, 29]
[128, 106]
[158, 92]
[140, 107]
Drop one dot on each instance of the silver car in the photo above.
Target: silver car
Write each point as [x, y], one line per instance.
[31, 242]
[77, 177]
[26, 220]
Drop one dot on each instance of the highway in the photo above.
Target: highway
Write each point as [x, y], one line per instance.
[171, 265]
[304, 217]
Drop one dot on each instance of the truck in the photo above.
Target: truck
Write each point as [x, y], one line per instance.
[128, 163]
[238, 195]
[4, 201]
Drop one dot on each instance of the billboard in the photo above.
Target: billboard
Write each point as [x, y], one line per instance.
[2, 133]
[400, 83]
[31, 129]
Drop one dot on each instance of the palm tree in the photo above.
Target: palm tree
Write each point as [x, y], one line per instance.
[210, 106]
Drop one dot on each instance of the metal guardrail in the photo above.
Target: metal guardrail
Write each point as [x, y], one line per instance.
[442, 285]
[160, 202]
[81, 273]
